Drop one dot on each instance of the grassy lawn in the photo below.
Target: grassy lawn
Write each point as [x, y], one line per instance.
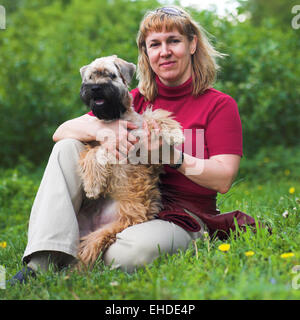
[202, 272]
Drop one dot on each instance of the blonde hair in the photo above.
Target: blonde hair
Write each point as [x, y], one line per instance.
[204, 64]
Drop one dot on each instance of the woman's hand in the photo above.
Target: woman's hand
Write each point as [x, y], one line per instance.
[152, 141]
[115, 136]
[159, 151]
[154, 144]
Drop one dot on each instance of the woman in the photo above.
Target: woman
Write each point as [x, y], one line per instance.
[176, 70]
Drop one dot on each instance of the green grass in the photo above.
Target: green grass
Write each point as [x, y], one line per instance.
[201, 272]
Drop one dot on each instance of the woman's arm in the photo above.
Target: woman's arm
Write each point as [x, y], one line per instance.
[216, 173]
[83, 128]
[87, 128]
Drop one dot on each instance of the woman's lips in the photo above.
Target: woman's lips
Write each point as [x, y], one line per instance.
[167, 64]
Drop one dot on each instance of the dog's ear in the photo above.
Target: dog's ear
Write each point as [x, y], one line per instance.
[82, 71]
[127, 69]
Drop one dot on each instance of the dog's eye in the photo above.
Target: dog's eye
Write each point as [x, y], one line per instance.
[112, 76]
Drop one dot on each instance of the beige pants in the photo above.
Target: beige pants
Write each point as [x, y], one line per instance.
[53, 224]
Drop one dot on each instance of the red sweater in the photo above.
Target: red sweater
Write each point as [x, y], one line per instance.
[214, 112]
[217, 114]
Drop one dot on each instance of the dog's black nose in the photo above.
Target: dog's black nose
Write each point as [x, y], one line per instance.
[95, 88]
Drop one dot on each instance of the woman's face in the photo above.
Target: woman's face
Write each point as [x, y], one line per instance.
[170, 56]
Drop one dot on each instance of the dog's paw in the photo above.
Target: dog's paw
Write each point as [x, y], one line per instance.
[92, 189]
[88, 252]
[102, 157]
[173, 137]
[94, 194]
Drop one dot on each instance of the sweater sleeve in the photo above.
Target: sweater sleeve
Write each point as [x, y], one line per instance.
[224, 129]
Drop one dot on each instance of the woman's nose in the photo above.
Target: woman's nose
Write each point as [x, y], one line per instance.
[165, 50]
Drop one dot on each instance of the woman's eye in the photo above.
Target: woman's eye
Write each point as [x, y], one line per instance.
[153, 45]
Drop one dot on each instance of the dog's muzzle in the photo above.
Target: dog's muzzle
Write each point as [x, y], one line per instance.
[104, 100]
[96, 89]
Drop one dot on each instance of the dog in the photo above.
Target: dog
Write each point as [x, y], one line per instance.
[129, 192]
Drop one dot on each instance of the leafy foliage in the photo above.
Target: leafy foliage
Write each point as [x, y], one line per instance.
[200, 272]
[42, 50]
[262, 73]
[46, 42]
[269, 162]
[278, 10]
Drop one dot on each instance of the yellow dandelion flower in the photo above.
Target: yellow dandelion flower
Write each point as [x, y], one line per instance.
[3, 244]
[249, 253]
[224, 247]
[291, 190]
[287, 255]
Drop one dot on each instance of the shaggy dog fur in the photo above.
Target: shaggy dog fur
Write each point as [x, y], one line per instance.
[131, 189]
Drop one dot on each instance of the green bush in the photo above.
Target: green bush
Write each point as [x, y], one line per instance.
[268, 163]
[46, 42]
[262, 73]
[17, 191]
[42, 50]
